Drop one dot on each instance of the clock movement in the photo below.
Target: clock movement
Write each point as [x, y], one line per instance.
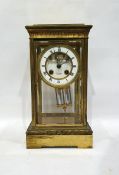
[59, 63]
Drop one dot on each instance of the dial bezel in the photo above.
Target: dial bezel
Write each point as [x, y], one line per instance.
[39, 61]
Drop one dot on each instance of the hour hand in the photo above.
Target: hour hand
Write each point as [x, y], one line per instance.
[65, 61]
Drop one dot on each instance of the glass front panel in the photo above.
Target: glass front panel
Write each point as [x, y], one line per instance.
[58, 105]
[49, 100]
[53, 113]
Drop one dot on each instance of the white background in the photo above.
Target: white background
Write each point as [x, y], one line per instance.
[103, 100]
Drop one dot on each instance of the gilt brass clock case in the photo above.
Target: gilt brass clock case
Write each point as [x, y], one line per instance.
[52, 125]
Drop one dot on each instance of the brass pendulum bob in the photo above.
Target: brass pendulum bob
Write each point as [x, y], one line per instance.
[63, 97]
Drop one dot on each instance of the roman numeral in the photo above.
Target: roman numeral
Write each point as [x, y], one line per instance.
[50, 79]
[44, 73]
[58, 81]
[43, 65]
[59, 49]
[67, 52]
[52, 51]
[72, 58]
[71, 73]
[74, 65]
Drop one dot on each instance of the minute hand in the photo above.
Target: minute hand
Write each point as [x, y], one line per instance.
[64, 62]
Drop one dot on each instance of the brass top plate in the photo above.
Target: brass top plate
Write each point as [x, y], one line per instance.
[58, 30]
[60, 26]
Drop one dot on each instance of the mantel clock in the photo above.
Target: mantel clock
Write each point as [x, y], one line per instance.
[59, 61]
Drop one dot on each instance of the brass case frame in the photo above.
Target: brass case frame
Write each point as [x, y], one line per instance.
[59, 135]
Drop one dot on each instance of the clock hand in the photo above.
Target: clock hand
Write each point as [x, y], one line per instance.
[60, 64]
[57, 60]
[63, 63]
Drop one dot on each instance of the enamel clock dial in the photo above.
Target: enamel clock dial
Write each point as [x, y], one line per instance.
[59, 65]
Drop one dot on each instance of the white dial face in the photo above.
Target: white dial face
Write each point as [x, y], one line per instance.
[59, 66]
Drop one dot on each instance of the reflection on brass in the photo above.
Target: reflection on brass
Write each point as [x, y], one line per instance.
[59, 129]
[41, 141]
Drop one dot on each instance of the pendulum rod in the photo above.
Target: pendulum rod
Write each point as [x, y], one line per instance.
[63, 97]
